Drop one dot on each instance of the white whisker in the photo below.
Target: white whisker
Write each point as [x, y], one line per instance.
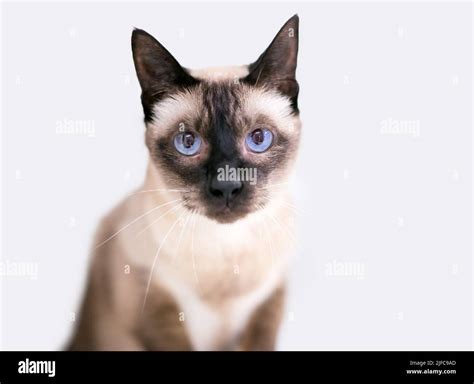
[285, 229]
[284, 204]
[162, 243]
[134, 221]
[270, 248]
[157, 190]
[181, 237]
[158, 219]
[192, 253]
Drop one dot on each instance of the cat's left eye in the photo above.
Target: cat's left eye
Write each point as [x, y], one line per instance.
[259, 140]
[187, 143]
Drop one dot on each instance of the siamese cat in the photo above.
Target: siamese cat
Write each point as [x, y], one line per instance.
[197, 259]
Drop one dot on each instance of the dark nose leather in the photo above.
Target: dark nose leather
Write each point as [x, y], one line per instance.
[226, 190]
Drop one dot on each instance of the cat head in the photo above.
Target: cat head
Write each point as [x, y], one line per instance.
[225, 138]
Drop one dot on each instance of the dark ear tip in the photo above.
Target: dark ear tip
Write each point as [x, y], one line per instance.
[292, 22]
[137, 33]
[294, 19]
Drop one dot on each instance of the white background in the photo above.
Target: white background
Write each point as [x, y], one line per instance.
[395, 206]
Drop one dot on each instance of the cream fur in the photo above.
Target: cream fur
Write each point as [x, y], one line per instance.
[217, 273]
[215, 300]
[220, 73]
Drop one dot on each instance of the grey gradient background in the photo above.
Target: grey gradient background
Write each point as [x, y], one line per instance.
[394, 207]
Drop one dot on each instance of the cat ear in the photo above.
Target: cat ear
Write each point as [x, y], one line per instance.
[159, 73]
[276, 66]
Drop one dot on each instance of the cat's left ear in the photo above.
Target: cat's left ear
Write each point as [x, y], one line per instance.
[276, 67]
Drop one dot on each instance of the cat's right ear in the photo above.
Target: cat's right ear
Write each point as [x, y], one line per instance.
[159, 73]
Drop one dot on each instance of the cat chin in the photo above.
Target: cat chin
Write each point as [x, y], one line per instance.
[223, 215]
[226, 219]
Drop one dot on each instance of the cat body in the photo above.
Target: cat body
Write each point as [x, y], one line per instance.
[189, 261]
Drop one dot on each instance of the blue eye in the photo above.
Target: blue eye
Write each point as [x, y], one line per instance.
[187, 143]
[259, 140]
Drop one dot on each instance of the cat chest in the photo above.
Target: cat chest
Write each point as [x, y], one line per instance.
[212, 325]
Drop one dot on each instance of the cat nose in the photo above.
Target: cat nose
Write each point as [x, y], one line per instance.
[223, 189]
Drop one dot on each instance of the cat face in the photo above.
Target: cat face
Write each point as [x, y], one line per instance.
[225, 138]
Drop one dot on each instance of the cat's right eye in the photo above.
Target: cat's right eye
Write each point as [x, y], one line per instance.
[187, 143]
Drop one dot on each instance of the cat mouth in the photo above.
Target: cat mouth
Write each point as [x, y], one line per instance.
[226, 214]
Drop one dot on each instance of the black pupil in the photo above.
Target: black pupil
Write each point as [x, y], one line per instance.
[257, 136]
[188, 140]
